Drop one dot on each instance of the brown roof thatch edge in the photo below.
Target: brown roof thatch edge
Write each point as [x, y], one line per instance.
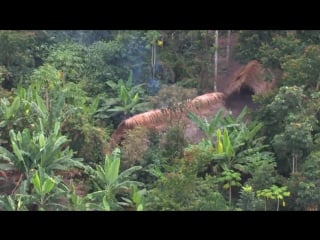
[252, 75]
[158, 117]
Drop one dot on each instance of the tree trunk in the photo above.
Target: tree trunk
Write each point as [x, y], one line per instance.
[216, 61]
[228, 46]
[278, 205]
[153, 59]
[230, 195]
[265, 205]
[293, 160]
[294, 163]
[47, 99]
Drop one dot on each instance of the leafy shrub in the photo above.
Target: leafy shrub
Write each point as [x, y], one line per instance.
[134, 146]
[170, 95]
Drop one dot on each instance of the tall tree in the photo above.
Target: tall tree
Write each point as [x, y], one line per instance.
[228, 46]
[216, 61]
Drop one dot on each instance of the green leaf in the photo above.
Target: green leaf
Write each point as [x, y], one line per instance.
[226, 186]
[113, 171]
[219, 147]
[123, 94]
[56, 128]
[112, 84]
[3, 124]
[136, 98]
[41, 140]
[14, 107]
[106, 205]
[41, 105]
[94, 105]
[36, 182]
[140, 207]
[16, 151]
[48, 185]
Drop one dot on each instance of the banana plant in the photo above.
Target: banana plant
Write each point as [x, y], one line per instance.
[137, 198]
[127, 102]
[47, 190]
[109, 182]
[218, 121]
[10, 116]
[43, 184]
[76, 202]
[37, 148]
[208, 128]
[12, 203]
[225, 152]
[8, 111]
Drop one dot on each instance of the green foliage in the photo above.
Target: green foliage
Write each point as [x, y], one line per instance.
[224, 147]
[208, 128]
[231, 179]
[249, 43]
[174, 141]
[296, 141]
[308, 196]
[303, 70]
[305, 195]
[198, 158]
[242, 140]
[190, 55]
[68, 57]
[38, 148]
[290, 121]
[86, 37]
[259, 165]
[43, 186]
[128, 100]
[170, 95]
[274, 193]
[16, 55]
[4, 74]
[137, 200]
[46, 190]
[114, 59]
[134, 147]
[180, 192]
[305, 184]
[71, 94]
[9, 111]
[248, 200]
[282, 47]
[109, 182]
[46, 76]
[88, 136]
[12, 203]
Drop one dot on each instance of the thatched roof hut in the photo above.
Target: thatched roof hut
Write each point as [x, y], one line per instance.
[252, 76]
[160, 118]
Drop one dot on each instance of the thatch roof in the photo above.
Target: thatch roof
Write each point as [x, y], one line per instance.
[253, 76]
[159, 118]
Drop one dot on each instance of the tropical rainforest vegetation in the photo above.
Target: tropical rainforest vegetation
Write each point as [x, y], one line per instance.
[63, 93]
